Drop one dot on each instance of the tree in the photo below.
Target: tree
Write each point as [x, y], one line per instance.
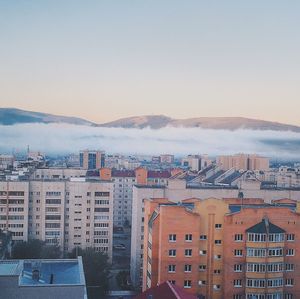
[96, 268]
[35, 249]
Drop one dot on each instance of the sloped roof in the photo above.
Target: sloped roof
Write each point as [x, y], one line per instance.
[166, 290]
[265, 227]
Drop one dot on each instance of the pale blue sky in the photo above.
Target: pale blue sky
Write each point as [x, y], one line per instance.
[102, 60]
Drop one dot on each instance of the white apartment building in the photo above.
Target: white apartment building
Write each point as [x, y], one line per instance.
[14, 207]
[283, 177]
[123, 180]
[68, 212]
[177, 190]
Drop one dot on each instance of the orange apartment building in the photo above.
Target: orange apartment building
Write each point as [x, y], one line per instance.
[218, 248]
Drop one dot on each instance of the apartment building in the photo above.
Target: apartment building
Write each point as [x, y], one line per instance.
[166, 159]
[196, 162]
[89, 159]
[68, 212]
[243, 162]
[218, 248]
[177, 190]
[282, 177]
[261, 248]
[14, 209]
[123, 181]
[6, 161]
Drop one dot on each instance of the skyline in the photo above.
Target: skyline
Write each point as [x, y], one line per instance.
[107, 60]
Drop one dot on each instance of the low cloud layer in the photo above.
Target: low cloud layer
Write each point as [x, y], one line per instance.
[63, 139]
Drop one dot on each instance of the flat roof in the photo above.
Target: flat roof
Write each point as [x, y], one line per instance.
[49, 272]
[9, 268]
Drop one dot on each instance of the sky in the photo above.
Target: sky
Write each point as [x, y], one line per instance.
[103, 60]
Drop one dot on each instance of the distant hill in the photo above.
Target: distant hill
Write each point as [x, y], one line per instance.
[11, 116]
[217, 123]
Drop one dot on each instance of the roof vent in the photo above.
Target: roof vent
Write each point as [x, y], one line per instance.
[35, 274]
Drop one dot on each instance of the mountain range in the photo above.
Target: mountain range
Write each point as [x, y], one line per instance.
[12, 116]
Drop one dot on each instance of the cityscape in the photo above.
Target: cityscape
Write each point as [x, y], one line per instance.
[149, 150]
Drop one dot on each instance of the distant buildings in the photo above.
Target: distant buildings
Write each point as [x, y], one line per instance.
[91, 159]
[218, 248]
[124, 180]
[243, 162]
[196, 162]
[35, 279]
[6, 161]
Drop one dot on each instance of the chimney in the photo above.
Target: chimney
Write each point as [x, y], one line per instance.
[141, 175]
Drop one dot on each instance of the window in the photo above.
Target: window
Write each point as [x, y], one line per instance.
[217, 287]
[188, 238]
[218, 242]
[187, 268]
[238, 252]
[290, 252]
[202, 282]
[203, 237]
[202, 267]
[251, 237]
[288, 296]
[218, 256]
[276, 237]
[289, 282]
[172, 252]
[290, 237]
[172, 268]
[256, 252]
[218, 225]
[238, 268]
[172, 281]
[256, 283]
[289, 267]
[238, 237]
[217, 271]
[188, 252]
[172, 238]
[275, 252]
[187, 284]
[237, 296]
[237, 283]
[202, 252]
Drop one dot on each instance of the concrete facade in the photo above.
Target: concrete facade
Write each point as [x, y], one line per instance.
[67, 212]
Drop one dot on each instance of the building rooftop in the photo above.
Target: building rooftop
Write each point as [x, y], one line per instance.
[265, 227]
[9, 268]
[44, 272]
[166, 290]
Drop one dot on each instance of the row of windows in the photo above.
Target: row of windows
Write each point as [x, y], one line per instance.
[189, 238]
[12, 193]
[267, 296]
[271, 267]
[262, 283]
[263, 252]
[187, 252]
[252, 237]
